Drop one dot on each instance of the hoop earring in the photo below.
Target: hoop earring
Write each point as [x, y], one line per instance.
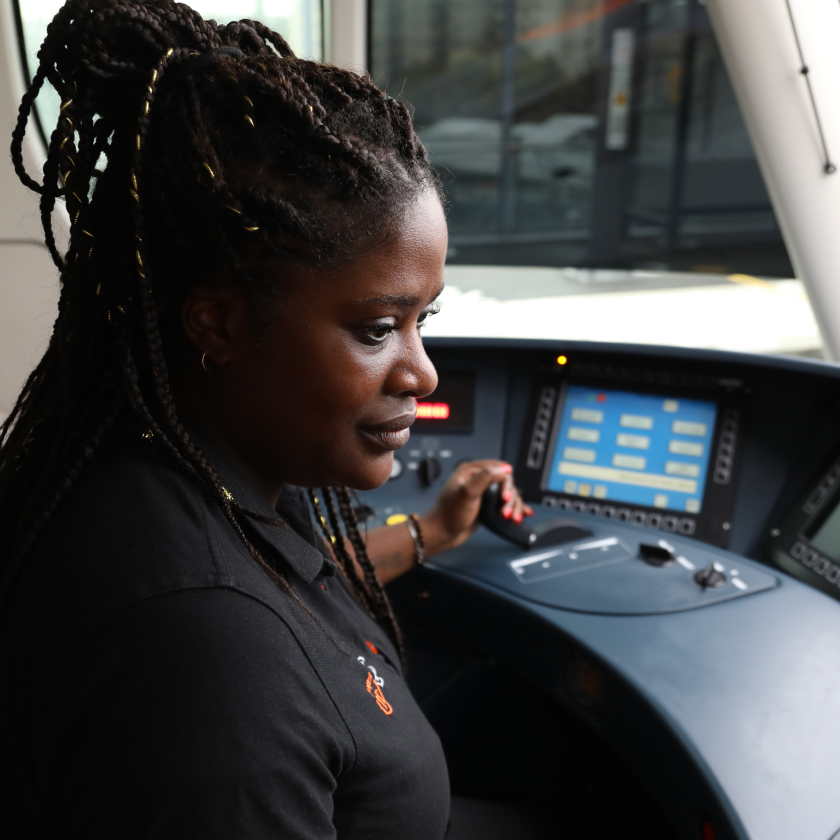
[203, 357]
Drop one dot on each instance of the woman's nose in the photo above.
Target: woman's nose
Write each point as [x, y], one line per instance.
[414, 372]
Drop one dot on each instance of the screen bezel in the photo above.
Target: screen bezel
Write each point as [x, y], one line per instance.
[713, 523]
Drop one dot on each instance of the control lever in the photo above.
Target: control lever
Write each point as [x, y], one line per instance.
[490, 516]
[553, 532]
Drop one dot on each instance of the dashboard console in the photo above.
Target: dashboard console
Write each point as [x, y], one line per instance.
[690, 635]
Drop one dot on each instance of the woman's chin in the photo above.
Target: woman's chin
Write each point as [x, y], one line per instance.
[374, 474]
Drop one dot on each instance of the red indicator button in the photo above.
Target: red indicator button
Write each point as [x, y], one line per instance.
[432, 411]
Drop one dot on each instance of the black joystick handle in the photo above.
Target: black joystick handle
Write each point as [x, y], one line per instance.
[490, 516]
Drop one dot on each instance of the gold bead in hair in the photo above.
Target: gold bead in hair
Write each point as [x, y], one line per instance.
[239, 212]
[154, 75]
[207, 167]
[248, 117]
[248, 100]
[138, 142]
[66, 104]
[252, 229]
[227, 494]
[87, 232]
[139, 259]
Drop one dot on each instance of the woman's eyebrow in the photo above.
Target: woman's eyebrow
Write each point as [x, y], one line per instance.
[394, 300]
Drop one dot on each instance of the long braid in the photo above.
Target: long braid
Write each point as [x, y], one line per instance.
[383, 611]
[342, 555]
[169, 203]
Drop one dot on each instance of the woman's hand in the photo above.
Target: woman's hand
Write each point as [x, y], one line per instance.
[453, 518]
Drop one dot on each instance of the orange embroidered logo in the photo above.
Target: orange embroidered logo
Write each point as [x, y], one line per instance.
[374, 685]
[376, 691]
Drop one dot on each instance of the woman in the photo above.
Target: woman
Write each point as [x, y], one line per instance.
[255, 242]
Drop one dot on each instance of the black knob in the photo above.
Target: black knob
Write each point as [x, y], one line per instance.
[429, 471]
[710, 577]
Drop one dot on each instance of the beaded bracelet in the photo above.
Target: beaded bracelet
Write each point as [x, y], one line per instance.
[413, 525]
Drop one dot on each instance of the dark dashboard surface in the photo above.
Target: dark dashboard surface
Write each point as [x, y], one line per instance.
[718, 698]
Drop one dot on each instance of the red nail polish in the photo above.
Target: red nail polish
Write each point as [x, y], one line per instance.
[506, 513]
[507, 495]
[518, 518]
[507, 469]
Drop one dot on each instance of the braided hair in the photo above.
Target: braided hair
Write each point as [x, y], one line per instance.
[182, 145]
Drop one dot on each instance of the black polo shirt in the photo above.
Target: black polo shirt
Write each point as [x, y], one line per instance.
[158, 684]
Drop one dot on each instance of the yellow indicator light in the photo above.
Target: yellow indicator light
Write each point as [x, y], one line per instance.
[396, 518]
[561, 360]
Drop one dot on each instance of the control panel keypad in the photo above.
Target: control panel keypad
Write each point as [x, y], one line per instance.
[664, 522]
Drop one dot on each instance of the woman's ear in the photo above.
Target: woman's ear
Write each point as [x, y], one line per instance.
[215, 322]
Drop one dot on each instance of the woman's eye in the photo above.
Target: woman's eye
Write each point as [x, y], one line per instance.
[377, 333]
[425, 315]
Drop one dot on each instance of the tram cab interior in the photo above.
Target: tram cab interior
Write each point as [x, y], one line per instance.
[642, 317]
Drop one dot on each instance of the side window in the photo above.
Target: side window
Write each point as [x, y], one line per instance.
[581, 133]
[300, 22]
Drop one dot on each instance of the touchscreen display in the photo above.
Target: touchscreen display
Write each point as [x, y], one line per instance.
[632, 448]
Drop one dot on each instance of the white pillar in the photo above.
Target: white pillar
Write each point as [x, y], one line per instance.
[28, 278]
[759, 49]
[348, 34]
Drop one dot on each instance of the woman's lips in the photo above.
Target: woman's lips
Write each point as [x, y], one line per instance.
[392, 434]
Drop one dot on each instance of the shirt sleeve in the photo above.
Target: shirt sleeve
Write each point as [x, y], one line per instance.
[193, 715]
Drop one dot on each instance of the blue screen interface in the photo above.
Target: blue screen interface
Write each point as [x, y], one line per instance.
[633, 448]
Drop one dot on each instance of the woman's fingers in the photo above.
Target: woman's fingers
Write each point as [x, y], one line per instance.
[484, 473]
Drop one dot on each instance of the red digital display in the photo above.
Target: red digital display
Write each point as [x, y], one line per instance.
[450, 407]
[432, 411]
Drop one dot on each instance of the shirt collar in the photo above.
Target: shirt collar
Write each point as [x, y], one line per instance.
[303, 557]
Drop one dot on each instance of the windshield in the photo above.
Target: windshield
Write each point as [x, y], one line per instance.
[601, 183]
